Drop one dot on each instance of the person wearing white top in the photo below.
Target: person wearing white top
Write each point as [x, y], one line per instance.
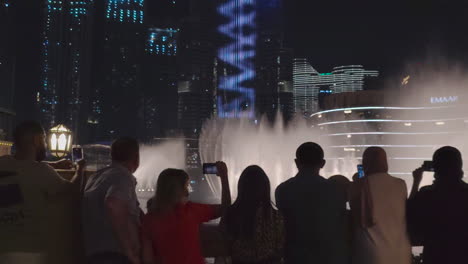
[378, 208]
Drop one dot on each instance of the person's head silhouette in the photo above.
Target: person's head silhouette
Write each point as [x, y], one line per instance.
[448, 164]
[374, 160]
[310, 155]
[30, 140]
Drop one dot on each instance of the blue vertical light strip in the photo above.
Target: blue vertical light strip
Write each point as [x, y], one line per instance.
[238, 54]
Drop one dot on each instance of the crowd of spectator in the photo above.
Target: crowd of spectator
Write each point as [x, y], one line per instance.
[98, 220]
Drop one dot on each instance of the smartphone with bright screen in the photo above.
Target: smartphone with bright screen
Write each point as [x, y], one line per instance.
[360, 170]
[210, 168]
[77, 154]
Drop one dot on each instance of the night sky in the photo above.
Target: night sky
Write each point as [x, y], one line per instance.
[379, 36]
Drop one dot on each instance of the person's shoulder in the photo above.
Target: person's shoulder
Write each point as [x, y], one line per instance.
[286, 184]
[394, 179]
[116, 174]
[401, 182]
[464, 187]
[44, 168]
[425, 190]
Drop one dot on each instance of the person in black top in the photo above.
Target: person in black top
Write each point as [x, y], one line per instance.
[314, 212]
[438, 214]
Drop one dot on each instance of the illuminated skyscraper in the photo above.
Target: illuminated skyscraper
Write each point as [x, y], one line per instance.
[62, 97]
[309, 84]
[159, 101]
[255, 69]
[196, 59]
[125, 11]
[305, 91]
[349, 78]
[162, 41]
[117, 76]
[236, 92]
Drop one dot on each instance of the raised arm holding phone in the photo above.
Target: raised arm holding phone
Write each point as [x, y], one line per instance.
[438, 213]
[170, 230]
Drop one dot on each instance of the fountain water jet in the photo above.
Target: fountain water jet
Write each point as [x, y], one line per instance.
[241, 142]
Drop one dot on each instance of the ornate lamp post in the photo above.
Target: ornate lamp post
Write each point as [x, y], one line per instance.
[60, 141]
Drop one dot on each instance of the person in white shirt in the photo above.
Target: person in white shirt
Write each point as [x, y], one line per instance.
[37, 207]
[378, 209]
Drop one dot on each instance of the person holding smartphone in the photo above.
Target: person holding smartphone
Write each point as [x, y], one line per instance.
[378, 203]
[170, 230]
[438, 213]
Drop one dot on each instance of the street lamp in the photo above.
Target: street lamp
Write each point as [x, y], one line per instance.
[60, 138]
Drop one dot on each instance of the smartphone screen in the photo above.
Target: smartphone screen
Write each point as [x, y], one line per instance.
[210, 168]
[360, 171]
[77, 154]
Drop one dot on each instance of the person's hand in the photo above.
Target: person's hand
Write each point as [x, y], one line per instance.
[417, 175]
[63, 164]
[81, 165]
[222, 169]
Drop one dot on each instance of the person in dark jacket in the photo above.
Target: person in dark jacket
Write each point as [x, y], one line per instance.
[438, 214]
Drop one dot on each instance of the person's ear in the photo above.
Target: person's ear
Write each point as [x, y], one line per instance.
[323, 164]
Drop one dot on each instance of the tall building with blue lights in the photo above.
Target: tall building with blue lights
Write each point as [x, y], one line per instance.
[196, 71]
[125, 11]
[255, 69]
[117, 82]
[66, 59]
[159, 101]
[236, 93]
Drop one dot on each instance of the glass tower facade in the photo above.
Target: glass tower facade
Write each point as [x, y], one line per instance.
[310, 85]
[66, 51]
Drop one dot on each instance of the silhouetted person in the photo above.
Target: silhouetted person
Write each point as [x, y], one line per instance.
[342, 184]
[378, 208]
[438, 214]
[110, 212]
[170, 229]
[314, 214]
[37, 224]
[253, 229]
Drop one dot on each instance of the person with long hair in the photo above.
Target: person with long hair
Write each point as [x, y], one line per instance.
[170, 229]
[253, 228]
[378, 212]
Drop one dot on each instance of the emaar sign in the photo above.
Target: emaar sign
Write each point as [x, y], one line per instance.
[444, 99]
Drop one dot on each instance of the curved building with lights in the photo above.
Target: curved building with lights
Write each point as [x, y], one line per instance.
[409, 130]
[310, 85]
